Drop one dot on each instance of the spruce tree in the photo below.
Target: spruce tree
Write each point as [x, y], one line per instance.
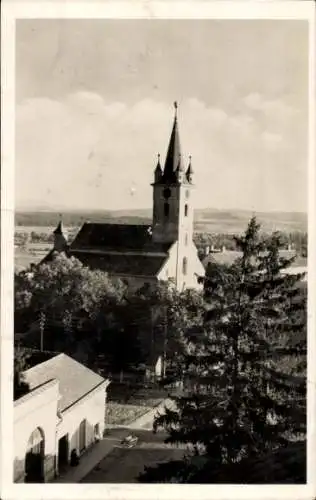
[244, 396]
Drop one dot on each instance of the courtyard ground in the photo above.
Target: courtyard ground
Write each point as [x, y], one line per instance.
[96, 460]
[123, 465]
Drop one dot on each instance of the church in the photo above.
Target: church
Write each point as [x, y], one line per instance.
[144, 254]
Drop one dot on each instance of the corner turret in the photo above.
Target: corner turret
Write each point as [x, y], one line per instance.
[60, 238]
[158, 170]
[189, 172]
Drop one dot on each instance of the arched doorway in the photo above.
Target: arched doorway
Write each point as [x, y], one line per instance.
[34, 459]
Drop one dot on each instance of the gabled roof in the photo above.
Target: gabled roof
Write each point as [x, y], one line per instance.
[118, 237]
[227, 257]
[75, 380]
[123, 264]
[119, 249]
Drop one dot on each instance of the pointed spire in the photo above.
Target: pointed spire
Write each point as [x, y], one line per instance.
[173, 152]
[158, 170]
[60, 239]
[189, 171]
[59, 228]
[180, 168]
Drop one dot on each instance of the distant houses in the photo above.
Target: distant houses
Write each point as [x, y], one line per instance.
[227, 257]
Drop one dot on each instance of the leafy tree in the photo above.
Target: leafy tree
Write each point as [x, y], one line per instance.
[242, 399]
[163, 317]
[20, 386]
[66, 299]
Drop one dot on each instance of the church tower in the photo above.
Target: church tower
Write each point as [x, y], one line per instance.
[172, 203]
[172, 207]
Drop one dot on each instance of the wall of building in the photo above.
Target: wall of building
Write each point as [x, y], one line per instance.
[91, 409]
[167, 228]
[36, 409]
[173, 268]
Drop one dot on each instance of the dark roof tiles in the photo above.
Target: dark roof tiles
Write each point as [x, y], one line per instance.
[122, 264]
[120, 249]
[118, 237]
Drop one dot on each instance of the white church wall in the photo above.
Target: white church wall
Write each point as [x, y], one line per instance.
[173, 268]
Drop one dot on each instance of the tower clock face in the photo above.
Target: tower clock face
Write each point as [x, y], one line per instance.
[166, 193]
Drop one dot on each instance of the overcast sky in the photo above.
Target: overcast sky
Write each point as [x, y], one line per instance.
[95, 106]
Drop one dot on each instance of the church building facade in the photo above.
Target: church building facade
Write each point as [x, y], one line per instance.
[145, 254]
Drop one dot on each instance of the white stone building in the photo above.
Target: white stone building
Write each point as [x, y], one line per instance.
[63, 411]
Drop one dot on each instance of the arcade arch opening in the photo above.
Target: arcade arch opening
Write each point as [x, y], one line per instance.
[34, 458]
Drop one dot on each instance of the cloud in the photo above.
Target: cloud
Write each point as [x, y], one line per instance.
[86, 152]
[278, 112]
[271, 140]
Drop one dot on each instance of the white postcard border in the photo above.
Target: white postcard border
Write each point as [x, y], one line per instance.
[12, 10]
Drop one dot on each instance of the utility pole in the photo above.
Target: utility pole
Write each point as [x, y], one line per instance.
[42, 321]
[152, 344]
[165, 342]
[177, 263]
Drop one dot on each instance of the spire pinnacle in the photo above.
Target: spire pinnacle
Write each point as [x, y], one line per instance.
[174, 151]
[175, 109]
[59, 228]
[158, 166]
[60, 238]
[189, 171]
[179, 162]
[158, 169]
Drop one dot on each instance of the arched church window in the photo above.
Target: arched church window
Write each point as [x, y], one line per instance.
[184, 266]
[166, 209]
[186, 209]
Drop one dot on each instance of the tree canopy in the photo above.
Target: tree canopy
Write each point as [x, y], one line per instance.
[20, 386]
[64, 297]
[245, 370]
